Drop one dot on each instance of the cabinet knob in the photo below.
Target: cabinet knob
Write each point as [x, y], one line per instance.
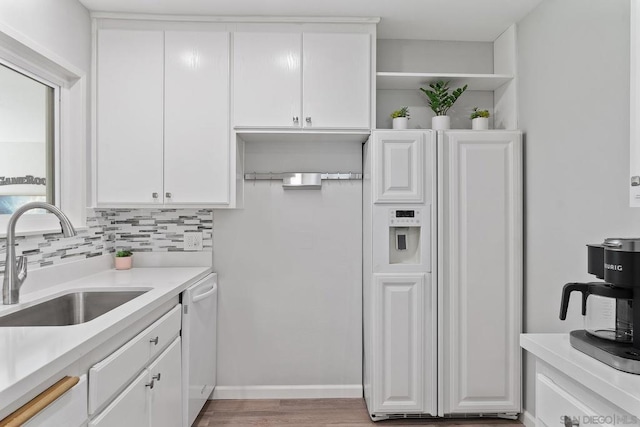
[296, 120]
[150, 385]
[155, 195]
[154, 341]
[156, 377]
[635, 181]
[168, 195]
[308, 119]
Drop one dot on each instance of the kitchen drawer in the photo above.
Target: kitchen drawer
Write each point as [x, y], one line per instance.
[554, 404]
[69, 410]
[109, 376]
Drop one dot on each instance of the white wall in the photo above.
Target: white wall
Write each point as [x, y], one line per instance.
[574, 109]
[290, 275]
[62, 27]
[55, 36]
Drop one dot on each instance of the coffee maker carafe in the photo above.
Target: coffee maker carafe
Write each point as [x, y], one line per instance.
[608, 307]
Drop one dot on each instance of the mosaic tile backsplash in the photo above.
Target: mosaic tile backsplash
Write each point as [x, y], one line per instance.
[139, 230]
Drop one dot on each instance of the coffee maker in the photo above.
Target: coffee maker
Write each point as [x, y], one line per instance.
[608, 307]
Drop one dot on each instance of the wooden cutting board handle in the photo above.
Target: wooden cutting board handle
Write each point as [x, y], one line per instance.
[38, 403]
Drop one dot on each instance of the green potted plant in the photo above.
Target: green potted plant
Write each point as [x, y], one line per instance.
[124, 260]
[400, 118]
[440, 100]
[480, 119]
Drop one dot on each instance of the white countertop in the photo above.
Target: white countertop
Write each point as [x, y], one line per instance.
[621, 388]
[31, 355]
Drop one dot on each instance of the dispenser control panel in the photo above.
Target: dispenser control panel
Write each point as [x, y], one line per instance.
[405, 217]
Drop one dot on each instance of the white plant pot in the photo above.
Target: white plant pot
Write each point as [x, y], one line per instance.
[441, 123]
[400, 122]
[480, 123]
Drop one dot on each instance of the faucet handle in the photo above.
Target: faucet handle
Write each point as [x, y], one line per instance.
[22, 269]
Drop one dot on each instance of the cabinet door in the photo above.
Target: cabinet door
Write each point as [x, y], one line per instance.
[196, 139]
[398, 343]
[130, 408]
[166, 395]
[399, 167]
[129, 116]
[336, 80]
[266, 79]
[482, 272]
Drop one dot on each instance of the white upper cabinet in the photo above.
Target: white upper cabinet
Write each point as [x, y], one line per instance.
[196, 126]
[130, 79]
[267, 78]
[163, 118]
[336, 80]
[302, 80]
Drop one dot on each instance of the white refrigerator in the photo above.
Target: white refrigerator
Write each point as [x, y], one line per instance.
[442, 273]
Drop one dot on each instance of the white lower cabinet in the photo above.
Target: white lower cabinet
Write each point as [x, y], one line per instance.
[561, 400]
[398, 342]
[153, 399]
[110, 375]
[69, 410]
[130, 408]
[166, 395]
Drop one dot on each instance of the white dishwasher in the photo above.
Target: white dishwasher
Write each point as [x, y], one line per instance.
[199, 325]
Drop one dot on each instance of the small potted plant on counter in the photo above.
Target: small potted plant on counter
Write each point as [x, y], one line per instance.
[124, 260]
[440, 101]
[400, 118]
[480, 119]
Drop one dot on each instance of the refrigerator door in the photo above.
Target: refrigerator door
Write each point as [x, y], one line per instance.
[199, 326]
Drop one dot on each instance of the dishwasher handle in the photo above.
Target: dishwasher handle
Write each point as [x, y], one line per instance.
[205, 294]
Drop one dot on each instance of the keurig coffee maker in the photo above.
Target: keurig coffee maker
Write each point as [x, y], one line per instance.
[607, 307]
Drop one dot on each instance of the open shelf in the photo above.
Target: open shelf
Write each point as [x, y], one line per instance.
[409, 81]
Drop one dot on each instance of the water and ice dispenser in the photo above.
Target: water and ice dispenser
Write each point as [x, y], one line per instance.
[405, 227]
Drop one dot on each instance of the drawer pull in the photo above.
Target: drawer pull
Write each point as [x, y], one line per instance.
[151, 384]
[156, 377]
[39, 403]
[570, 422]
[154, 341]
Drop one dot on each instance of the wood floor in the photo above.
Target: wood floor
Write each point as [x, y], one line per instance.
[313, 413]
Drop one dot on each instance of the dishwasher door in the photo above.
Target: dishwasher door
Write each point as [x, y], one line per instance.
[199, 324]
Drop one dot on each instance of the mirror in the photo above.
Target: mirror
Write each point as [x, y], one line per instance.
[27, 140]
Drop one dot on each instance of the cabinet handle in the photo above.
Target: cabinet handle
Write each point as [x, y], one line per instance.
[154, 341]
[635, 181]
[296, 120]
[168, 195]
[156, 377]
[308, 120]
[570, 422]
[150, 385]
[155, 195]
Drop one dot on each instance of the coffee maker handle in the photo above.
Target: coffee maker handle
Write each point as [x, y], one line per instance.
[583, 288]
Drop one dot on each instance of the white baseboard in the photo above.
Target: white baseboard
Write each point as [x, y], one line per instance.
[222, 392]
[527, 419]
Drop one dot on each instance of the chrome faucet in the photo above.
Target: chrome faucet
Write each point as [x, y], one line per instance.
[15, 268]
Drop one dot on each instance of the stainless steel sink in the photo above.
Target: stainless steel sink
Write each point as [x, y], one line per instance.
[69, 309]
